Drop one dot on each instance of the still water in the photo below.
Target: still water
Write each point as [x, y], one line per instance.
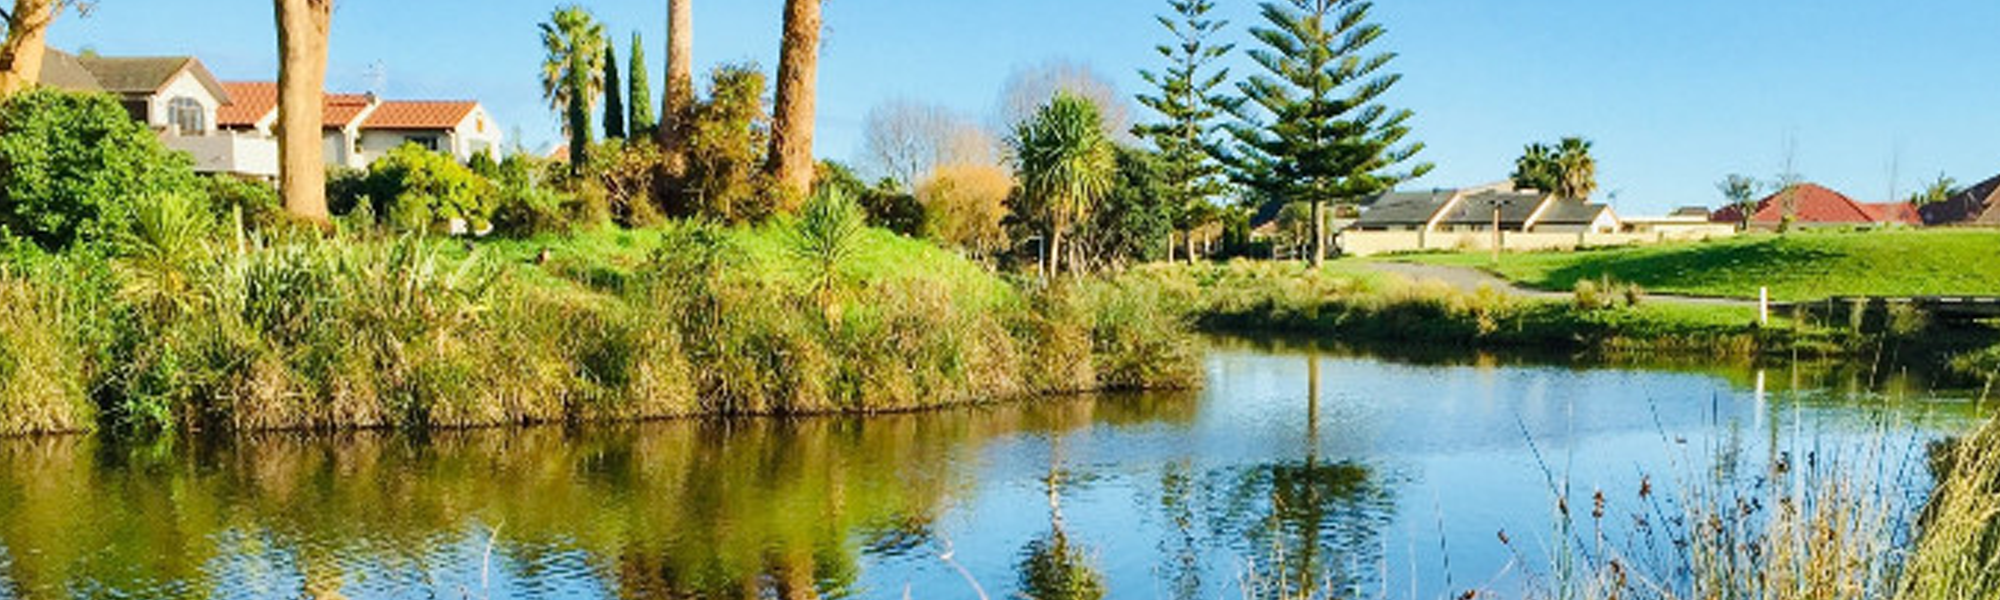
[1380, 477]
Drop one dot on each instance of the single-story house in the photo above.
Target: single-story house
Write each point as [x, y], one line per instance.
[1683, 223]
[1811, 205]
[1976, 206]
[1463, 219]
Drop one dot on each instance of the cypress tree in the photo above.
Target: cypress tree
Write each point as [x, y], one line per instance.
[1312, 128]
[614, 103]
[641, 122]
[1190, 106]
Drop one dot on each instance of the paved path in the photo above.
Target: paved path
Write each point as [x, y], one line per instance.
[1470, 279]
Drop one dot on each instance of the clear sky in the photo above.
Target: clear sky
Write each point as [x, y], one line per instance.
[1675, 94]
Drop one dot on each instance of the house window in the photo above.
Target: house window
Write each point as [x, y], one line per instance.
[186, 115]
[427, 142]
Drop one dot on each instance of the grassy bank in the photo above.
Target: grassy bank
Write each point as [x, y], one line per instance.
[1797, 266]
[177, 330]
[1355, 306]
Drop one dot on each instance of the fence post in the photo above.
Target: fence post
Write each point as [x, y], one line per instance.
[1764, 306]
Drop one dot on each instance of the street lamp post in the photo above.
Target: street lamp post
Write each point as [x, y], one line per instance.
[1498, 240]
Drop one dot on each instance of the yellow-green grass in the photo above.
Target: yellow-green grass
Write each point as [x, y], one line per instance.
[1796, 267]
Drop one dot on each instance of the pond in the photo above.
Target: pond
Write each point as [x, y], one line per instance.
[1381, 477]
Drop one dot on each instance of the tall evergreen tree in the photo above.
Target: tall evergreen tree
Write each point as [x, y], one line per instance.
[614, 94]
[641, 121]
[1312, 128]
[1190, 106]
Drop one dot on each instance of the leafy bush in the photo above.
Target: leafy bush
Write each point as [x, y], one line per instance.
[966, 206]
[726, 143]
[73, 166]
[420, 190]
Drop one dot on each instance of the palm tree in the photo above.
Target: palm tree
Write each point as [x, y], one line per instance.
[1066, 164]
[677, 104]
[573, 73]
[1536, 169]
[303, 27]
[1578, 171]
[791, 158]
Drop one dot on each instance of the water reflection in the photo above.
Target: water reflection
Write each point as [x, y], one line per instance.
[1301, 468]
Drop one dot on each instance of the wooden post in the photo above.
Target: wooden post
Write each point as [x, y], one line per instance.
[1763, 306]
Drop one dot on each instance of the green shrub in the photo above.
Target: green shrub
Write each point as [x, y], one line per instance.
[74, 166]
[414, 189]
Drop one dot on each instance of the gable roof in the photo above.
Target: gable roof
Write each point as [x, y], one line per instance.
[1896, 212]
[1808, 203]
[1973, 205]
[1477, 209]
[1572, 212]
[1396, 209]
[420, 115]
[61, 70]
[145, 75]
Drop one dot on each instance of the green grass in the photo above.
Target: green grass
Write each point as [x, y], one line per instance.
[1797, 267]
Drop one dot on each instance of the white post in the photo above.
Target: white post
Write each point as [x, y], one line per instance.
[1764, 306]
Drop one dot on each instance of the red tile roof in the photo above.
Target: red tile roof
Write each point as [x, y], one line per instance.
[420, 115]
[1902, 213]
[1811, 203]
[255, 100]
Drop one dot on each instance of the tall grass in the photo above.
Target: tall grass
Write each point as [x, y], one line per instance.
[44, 371]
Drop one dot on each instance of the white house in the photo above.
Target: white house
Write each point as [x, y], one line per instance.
[361, 128]
[177, 97]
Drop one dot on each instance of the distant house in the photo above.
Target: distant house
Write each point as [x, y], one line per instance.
[360, 128]
[1811, 205]
[1977, 206]
[1464, 219]
[177, 97]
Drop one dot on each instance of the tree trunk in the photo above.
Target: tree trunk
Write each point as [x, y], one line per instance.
[1319, 233]
[303, 28]
[678, 100]
[791, 161]
[27, 41]
[1054, 253]
[1190, 247]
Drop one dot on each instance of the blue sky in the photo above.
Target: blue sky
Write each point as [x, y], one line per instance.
[1675, 95]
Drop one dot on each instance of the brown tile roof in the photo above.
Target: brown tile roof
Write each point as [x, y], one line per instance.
[254, 100]
[1976, 205]
[420, 115]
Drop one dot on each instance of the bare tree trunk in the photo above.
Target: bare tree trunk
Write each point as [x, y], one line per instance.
[303, 28]
[27, 41]
[678, 101]
[791, 161]
[1319, 233]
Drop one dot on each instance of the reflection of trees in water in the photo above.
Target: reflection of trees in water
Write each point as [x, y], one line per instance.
[1053, 567]
[718, 509]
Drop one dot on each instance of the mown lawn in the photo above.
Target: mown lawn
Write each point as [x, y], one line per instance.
[1798, 266]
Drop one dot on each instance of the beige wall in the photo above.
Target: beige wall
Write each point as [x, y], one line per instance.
[183, 85]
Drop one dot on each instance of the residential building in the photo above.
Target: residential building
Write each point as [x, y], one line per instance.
[177, 97]
[360, 128]
[1809, 205]
[1465, 219]
[1976, 206]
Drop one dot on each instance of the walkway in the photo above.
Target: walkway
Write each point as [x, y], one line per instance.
[1470, 280]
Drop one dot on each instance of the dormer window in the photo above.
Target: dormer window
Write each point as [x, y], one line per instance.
[187, 116]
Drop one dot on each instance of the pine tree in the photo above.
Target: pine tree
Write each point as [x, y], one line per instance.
[641, 122]
[1190, 107]
[1312, 128]
[614, 92]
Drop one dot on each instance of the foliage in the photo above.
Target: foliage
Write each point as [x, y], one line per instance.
[1029, 88]
[529, 205]
[1066, 165]
[1742, 192]
[1939, 190]
[45, 372]
[1054, 568]
[640, 96]
[1566, 170]
[414, 189]
[1311, 127]
[824, 239]
[1190, 105]
[727, 140]
[906, 141]
[74, 167]
[886, 205]
[614, 95]
[965, 206]
[625, 173]
[573, 72]
[1134, 223]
